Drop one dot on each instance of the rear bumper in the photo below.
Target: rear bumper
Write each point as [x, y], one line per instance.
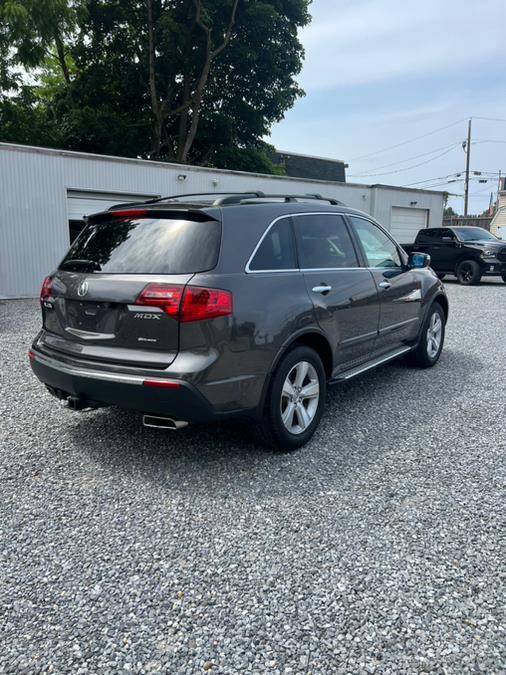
[98, 387]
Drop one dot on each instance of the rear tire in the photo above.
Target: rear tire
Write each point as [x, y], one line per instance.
[295, 400]
[431, 341]
[468, 273]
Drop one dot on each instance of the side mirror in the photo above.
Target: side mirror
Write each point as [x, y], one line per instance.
[418, 261]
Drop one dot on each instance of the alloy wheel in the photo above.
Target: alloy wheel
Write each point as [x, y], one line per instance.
[466, 272]
[434, 335]
[300, 397]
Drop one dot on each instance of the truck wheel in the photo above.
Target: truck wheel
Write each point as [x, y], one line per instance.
[468, 273]
[295, 400]
[431, 341]
[440, 275]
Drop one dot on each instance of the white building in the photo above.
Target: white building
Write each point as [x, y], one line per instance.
[498, 224]
[45, 194]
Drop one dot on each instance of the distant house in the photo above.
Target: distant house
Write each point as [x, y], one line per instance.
[307, 166]
[498, 224]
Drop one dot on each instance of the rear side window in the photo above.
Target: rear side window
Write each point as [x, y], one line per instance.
[429, 235]
[146, 246]
[324, 242]
[277, 251]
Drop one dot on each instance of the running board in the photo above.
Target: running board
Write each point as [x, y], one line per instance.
[358, 370]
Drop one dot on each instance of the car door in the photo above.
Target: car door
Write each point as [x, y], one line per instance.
[344, 294]
[398, 286]
[447, 245]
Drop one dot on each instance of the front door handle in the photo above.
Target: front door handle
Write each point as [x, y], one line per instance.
[385, 285]
[322, 289]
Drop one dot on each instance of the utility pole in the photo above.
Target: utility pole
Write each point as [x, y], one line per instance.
[468, 163]
[498, 190]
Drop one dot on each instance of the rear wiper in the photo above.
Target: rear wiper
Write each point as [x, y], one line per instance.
[80, 262]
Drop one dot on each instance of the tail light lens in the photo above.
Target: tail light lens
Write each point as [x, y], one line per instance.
[164, 296]
[191, 304]
[47, 289]
[205, 303]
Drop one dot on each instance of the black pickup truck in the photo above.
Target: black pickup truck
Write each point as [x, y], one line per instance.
[467, 252]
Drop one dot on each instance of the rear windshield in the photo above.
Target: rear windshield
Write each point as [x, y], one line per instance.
[145, 246]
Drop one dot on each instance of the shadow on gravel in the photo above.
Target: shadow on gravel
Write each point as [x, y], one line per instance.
[493, 281]
[365, 418]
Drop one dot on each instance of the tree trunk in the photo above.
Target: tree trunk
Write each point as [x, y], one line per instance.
[196, 103]
[156, 105]
[61, 56]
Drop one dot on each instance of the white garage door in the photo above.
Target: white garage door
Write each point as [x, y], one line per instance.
[85, 203]
[405, 223]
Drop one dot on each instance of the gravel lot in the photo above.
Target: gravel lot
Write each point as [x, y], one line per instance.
[378, 548]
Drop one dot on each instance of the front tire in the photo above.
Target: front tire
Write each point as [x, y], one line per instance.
[295, 400]
[432, 339]
[468, 273]
[503, 276]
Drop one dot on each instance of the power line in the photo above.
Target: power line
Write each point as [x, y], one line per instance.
[429, 180]
[407, 168]
[490, 119]
[408, 159]
[412, 140]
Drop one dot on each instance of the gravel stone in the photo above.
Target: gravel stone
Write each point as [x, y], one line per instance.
[380, 547]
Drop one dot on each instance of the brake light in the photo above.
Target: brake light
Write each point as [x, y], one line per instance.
[130, 213]
[195, 304]
[47, 289]
[205, 303]
[164, 296]
[31, 355]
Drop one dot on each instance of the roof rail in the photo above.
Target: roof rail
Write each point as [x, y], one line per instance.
[225, 198]
[292, 198]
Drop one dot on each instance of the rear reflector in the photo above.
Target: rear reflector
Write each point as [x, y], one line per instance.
[31, 355]
[47, 289]
[160, 384]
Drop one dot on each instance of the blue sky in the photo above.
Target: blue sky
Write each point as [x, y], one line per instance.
[381, 72]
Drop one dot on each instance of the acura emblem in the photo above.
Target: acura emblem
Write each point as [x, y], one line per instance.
[82, 289]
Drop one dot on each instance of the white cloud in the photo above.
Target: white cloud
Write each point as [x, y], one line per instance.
[369, 41]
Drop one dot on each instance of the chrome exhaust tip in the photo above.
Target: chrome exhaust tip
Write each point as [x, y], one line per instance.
[158, 422]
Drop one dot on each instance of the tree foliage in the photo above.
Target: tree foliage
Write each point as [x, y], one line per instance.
[198, 81]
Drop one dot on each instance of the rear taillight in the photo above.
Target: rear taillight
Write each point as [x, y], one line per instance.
[205, 303]
[164, 296]
[191, 304]
[47, 289]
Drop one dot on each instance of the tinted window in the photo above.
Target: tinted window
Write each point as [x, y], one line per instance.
[429, 235]
[447, 234]
[474, 234]
[276, 252]
[379, 249]
[147, 246]
[324, 242]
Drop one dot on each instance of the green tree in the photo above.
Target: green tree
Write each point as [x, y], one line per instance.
[198, 81]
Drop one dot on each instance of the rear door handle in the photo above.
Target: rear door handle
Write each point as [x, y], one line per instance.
[385, 285]
[322, 289]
